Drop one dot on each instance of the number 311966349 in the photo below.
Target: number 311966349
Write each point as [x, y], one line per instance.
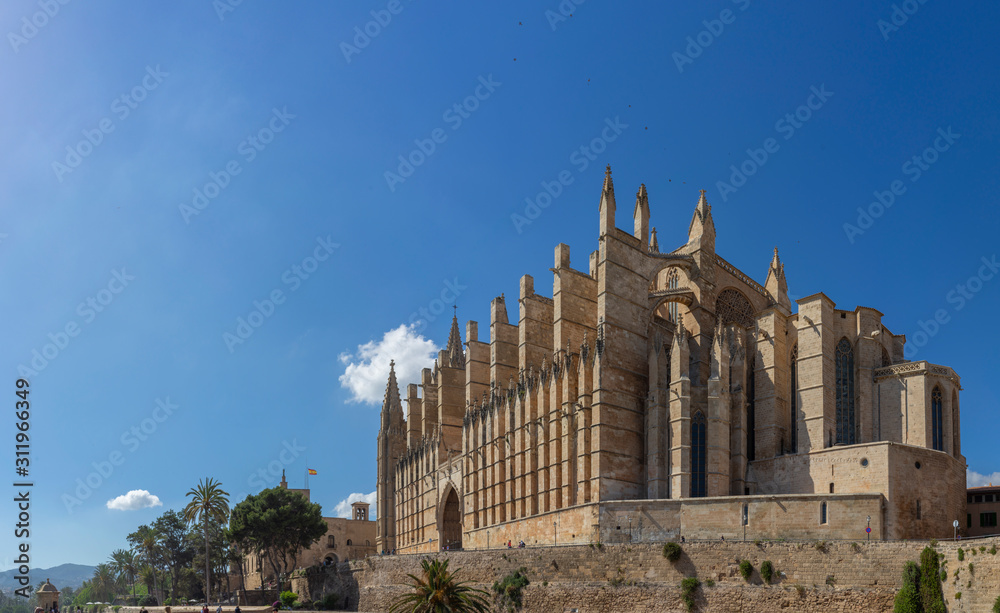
[22, 414]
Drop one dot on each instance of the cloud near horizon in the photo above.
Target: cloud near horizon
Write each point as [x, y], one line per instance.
[343, 508]
[974, 479]
[367, 369]
[134, 500]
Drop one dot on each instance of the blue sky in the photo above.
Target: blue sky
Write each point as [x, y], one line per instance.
[179, 165]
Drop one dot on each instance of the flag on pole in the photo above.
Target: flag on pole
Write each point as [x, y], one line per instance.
[311, 471]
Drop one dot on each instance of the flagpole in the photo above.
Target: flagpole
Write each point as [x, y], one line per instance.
[307, 478]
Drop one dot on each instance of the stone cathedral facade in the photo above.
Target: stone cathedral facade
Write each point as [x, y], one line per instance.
[657, 394]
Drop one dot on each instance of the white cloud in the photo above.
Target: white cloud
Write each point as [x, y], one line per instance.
[974, 479]
[134, 500]
[367, 369]
[343, 508]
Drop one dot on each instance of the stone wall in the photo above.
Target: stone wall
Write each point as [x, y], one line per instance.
[813, 576]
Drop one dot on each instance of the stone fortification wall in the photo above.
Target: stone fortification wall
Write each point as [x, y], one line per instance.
[813, 576]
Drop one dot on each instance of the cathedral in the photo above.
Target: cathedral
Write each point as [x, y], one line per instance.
[660, 394]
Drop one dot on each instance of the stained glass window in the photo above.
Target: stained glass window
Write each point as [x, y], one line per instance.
[845, 393]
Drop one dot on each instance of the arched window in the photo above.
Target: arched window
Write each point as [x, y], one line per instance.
[732, 307]
[845, 393]
[822, 513]
[673, 282]
[886, 361]
[348, 542]
[937, 429]
[751, 408]
[698, 460]
[793, 426]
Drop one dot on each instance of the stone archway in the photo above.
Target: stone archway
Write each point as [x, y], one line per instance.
[451, 521]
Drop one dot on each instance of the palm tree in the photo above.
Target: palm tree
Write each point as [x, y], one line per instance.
[148, 541]
[104, 583]
[438, 591]
[124, 562]
[208, 502]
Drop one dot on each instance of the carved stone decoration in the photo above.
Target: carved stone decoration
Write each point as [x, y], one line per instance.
[732, 307]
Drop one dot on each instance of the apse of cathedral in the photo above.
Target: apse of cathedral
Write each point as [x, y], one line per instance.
[669, 392]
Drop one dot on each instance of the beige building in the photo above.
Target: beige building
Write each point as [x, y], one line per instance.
[345, 539]
[983, 505]
[656, 394]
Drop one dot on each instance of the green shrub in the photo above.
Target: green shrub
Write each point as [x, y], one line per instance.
[746, 570]
[766, 570]
[328, 602]
[800, 590]
[855, 547]
[944, 575]
[961, 554]
[710, 582]
[934, 543]
[672, 551]
[688, 588]
[971, 567]
[508, 590]
[958, 595]
[820, 546]
[996, 605]
[993, 550]
[288, 598]
[908, 597]
[931, 595]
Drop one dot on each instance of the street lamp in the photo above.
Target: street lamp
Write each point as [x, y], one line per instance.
[555, 535]
[629, 518]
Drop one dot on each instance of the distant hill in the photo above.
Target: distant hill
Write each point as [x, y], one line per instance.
[64, 575]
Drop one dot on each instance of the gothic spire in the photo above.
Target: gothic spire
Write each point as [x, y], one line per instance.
[776, 285]
[654, 245]
[607, 210]
[702, 226]
[456, 357]
[640, 217]
[391, 401]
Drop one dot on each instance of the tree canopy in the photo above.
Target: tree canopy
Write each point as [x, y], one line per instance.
[277, 524]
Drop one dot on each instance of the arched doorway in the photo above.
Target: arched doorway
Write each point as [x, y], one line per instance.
[451, 521]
